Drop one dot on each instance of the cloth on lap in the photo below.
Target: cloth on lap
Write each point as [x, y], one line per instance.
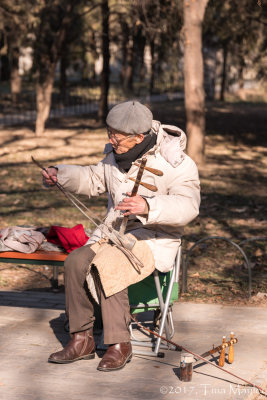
[115, 270]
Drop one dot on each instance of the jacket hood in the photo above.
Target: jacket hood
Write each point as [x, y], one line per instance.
[171, 141]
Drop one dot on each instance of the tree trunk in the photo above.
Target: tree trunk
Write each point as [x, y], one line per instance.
[103, 103]
[124, 50]
[43, 101]
[93, 77]
[153, 66]
[140, 44]
[241, 68]
[63, 75]
[194, 79]
[241, 81]
[123, 62]
[85, 63]
[134, 57]
[224, 72]
[15, 79]
[47, 54]
[130, 67]
[4, 68]
[93, 60]
[142, 69]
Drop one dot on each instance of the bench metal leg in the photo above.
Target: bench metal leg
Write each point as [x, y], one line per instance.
[54, 280]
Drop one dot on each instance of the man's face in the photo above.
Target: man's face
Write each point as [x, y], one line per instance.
[122, 142]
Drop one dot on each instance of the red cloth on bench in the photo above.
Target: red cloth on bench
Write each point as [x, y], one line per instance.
[69, 238]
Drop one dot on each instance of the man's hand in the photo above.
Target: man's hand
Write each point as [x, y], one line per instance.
[50, 177]
[133, 205]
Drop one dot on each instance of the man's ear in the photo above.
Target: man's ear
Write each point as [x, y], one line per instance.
[139, 138]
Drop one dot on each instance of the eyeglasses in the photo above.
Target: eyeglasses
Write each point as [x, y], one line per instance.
[114, 136]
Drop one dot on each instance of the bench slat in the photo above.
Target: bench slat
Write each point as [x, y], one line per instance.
[38, 255]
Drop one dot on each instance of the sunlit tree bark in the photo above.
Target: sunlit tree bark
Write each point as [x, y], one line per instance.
[14, 26]
[103, 103]
[193, 78]
[55, 21]
[224, 72]
[15, 78]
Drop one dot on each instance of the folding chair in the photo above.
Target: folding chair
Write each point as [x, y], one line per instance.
[158, 291]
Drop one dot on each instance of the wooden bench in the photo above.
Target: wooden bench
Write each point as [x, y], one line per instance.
[53, 259]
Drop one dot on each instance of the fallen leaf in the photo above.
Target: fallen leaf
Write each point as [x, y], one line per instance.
[261, 295]
[240, 210]
[209, 290]
[258, 253]
[234, 291]
[210, 226]
[190, 244]
[196, 275]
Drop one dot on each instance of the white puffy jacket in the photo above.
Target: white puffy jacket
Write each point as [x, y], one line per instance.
[174, 205]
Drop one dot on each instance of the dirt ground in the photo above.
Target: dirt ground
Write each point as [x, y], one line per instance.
[233, 206]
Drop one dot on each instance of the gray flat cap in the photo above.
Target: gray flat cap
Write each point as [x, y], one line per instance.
[130, 117]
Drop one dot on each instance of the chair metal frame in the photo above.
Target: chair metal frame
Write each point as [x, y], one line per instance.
[166, 323]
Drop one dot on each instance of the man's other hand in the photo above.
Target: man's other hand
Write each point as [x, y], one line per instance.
[133, 205]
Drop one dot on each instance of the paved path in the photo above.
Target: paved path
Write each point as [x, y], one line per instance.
[31, 327]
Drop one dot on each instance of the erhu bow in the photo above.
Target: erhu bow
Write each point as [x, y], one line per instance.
[123, 242]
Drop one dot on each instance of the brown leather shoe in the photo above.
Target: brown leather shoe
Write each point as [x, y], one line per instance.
[116, 356]
[80, 347]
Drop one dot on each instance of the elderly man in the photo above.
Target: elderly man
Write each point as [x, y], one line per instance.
[156, 221]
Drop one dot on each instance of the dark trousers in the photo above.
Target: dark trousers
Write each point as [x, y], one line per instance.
[79, 306]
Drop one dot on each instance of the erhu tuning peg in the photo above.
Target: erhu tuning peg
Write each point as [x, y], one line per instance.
[231, 349]
[222, 355]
